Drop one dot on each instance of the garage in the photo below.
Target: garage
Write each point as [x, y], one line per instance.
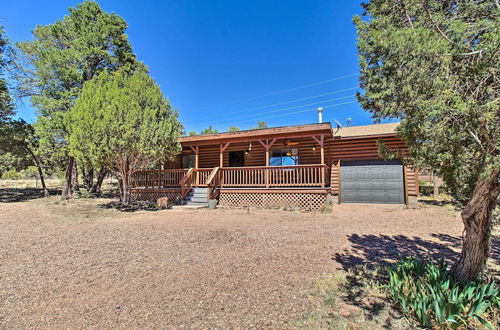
[373, 181]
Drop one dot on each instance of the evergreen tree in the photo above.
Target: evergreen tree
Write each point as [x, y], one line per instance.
[260, 125]
[61, 58]
[434, 65]
[122, 122]
[209, 130]
[6, 106]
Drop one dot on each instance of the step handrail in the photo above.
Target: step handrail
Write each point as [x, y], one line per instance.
[186, 183]
[213, 182]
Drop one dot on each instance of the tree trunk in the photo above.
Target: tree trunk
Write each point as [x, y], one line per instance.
[74, 178]
[88, 178]
[67, 191]
[40, 171]
[477, 218]
[123, 184]
[96, 187]
[120, 186]
[435, 184]
[126, 190]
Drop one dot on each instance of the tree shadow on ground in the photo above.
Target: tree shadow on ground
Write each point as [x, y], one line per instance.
[133, 207]
[368, 255]
[12, 195]
[434, 202]
[384, 250]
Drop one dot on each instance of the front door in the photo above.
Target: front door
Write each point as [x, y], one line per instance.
[236, 158]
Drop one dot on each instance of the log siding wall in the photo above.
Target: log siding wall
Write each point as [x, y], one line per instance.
[366, 148]
[336, 150]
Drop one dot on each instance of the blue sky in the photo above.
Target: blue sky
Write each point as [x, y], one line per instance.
[225, 63]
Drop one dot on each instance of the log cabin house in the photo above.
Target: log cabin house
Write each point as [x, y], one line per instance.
[303, 166]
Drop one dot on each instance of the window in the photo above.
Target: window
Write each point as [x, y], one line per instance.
[284, 157]
[188, 161]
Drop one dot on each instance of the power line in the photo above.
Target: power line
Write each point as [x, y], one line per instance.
[290, 113]
[289, 108]
[281, 103]
[281, 91]
[302, 111]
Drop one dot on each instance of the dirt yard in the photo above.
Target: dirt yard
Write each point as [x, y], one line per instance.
[77, 265]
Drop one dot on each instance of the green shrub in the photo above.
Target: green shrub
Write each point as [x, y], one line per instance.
[31, 172]
[426, 190]
[11, 175]
[426, 293]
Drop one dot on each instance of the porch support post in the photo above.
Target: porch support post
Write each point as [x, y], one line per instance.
[321, 142]
[196, 150]
[267, 145]
[221, 153]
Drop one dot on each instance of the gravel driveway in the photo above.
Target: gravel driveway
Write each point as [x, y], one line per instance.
[77, 266]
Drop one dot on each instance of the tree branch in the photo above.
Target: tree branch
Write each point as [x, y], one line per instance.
[408, 18]
[426, 7]
[477, 139]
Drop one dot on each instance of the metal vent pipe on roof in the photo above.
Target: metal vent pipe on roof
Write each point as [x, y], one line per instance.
[320, 114]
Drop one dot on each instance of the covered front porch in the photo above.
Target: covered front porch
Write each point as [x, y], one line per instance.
[277, 160]
[299, 186]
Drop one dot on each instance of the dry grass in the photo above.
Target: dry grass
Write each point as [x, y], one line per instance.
[353, 300]
[75, 264]
[30, 183]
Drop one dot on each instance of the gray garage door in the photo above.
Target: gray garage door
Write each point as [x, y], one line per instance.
[373, 181]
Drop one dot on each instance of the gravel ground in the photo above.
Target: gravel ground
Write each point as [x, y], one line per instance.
[78, 266]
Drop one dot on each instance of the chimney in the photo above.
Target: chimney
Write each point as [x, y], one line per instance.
[320, 114]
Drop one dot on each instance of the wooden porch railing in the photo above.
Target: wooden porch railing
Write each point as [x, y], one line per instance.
[202, 175]
[187, 182]
[274, 176]
[213, 183]
[255, 176]
[157, 178]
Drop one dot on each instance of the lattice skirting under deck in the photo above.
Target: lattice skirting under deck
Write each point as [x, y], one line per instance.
[152, 195]
[304, 201]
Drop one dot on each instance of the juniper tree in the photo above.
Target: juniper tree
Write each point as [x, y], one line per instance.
[18, 138]
[434, 65]
[61, 57]
[209, 130]
[122, 122]
[6, 106]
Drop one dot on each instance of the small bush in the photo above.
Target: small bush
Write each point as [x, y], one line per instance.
[31, 172]
[325, 209]
[11, 175]
[426, 190]
[426, 293]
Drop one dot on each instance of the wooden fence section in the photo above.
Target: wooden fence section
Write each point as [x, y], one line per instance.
[274, 176]
[157, 178]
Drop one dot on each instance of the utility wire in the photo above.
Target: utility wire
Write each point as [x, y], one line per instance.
[285, 109]
[290, 113]
[281, 91]
[281, 103]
